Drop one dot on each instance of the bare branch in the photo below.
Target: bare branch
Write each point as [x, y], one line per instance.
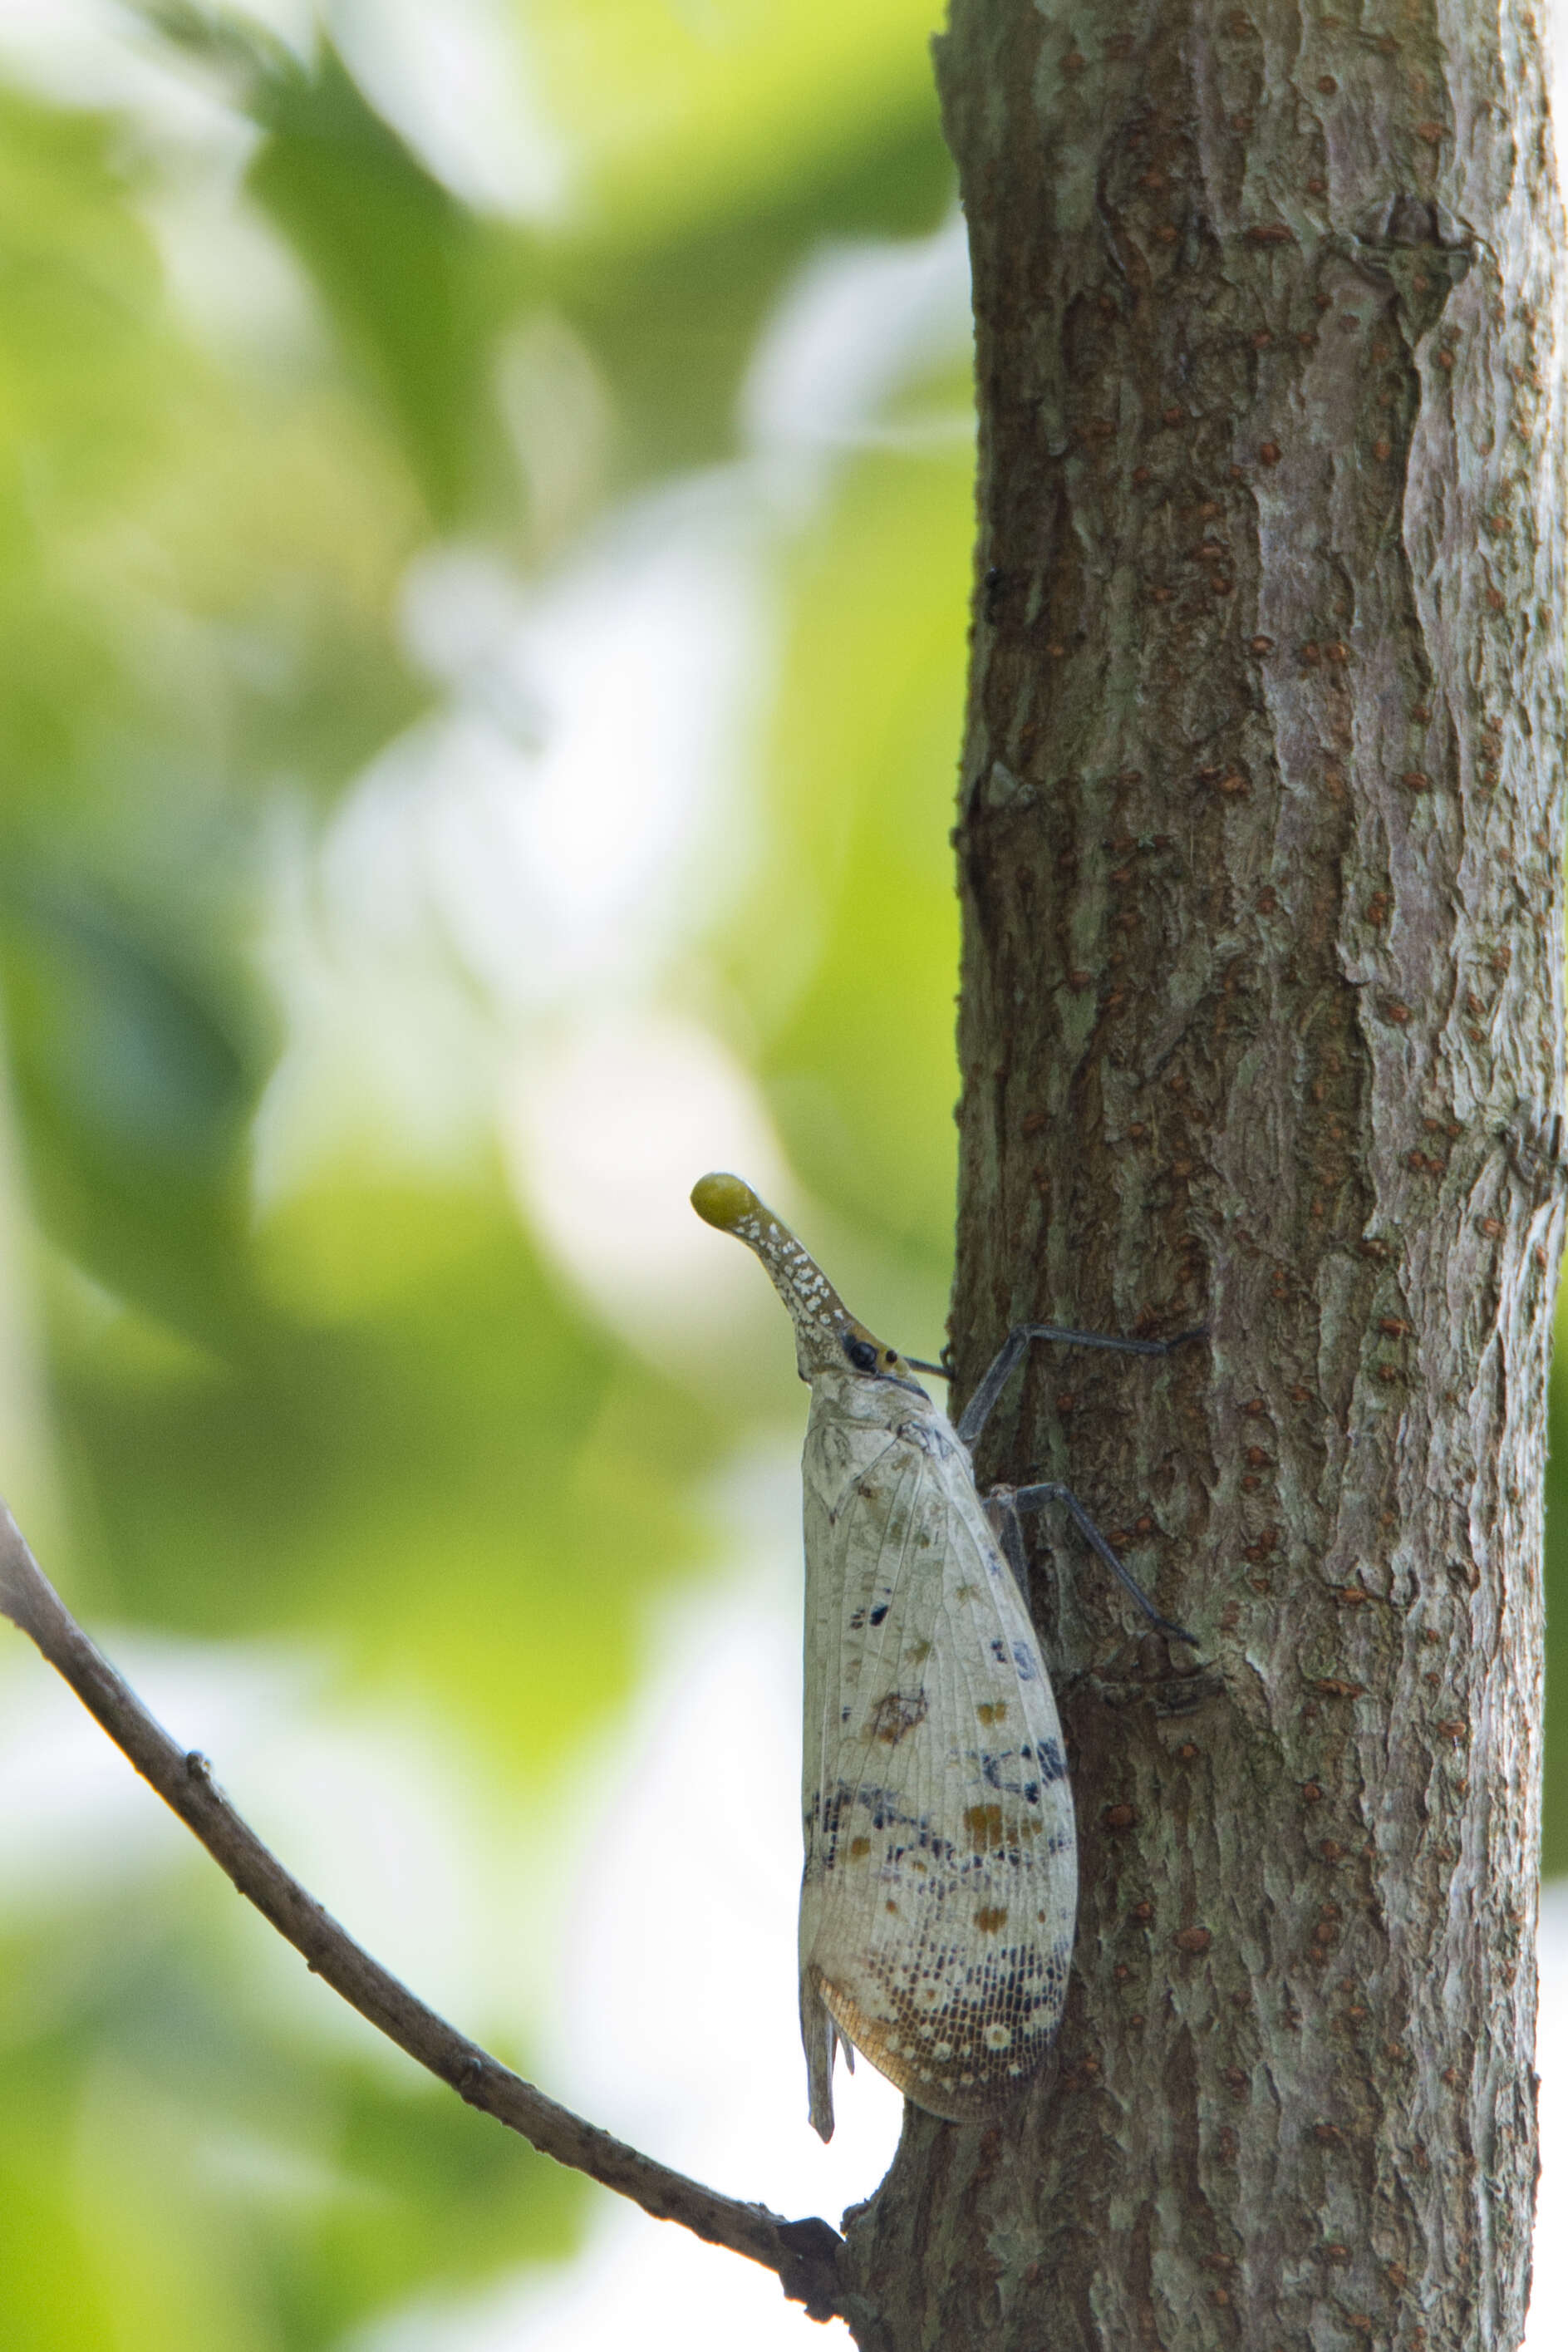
[804, 2253]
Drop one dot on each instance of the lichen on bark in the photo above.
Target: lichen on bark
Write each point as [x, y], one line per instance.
[1261, 1025]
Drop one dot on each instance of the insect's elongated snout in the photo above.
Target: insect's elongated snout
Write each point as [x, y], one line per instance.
[826, 1335]
[723, 1200]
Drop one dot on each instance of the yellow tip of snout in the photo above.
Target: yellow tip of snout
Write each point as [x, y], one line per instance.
[723, 1200]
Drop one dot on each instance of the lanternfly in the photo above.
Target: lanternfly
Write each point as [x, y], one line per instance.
[941, 1876]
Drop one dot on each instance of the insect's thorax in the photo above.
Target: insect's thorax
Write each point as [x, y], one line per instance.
[861, 1428]
[857, 1397]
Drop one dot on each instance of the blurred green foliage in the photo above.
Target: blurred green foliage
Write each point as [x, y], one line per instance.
[369, 1409]
[1554, 1811]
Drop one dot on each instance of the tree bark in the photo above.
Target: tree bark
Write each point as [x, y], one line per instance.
[1261, 1026]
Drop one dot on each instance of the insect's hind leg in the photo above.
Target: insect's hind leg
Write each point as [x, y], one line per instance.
[1033, 1498]
[977, 1412]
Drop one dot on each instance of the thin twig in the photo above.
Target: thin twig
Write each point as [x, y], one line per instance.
[804, 2253]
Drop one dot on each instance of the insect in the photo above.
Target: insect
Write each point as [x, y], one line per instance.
[941, 1879]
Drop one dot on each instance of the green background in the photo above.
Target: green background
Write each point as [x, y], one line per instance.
[360, 1410]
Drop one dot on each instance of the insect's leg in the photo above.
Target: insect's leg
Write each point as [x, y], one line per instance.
[1002, 1510]
[1030, 1498]
[977, 1412]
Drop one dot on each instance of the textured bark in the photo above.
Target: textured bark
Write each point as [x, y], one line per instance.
[1263, 1026]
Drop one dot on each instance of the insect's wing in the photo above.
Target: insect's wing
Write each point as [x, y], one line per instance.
[838, 1456]
[940, 1886]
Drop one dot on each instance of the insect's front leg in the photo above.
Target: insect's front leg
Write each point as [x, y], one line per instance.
[977, 1412]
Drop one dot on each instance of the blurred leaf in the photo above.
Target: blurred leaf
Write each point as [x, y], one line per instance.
[680, 114]
[459, 1470]
[417, 285]
[196, 572]
[1554, 1808]
[668, 294]
[78, 366]
[49, 2295]
[257, 608]
[132, 1096]
[82, 369]
[235, 2190]
[847, 952]
[434, 2195]
[674, 320]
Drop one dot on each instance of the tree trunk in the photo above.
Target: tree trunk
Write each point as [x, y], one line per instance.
[1262, 1027]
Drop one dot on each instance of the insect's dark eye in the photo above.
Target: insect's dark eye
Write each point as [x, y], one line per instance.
[860, 1353]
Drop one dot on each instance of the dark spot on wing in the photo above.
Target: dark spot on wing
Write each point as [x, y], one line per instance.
[896, 1713]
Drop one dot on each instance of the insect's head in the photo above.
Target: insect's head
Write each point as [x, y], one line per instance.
[826, 1335]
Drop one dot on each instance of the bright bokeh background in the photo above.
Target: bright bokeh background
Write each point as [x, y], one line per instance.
[485, 520]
